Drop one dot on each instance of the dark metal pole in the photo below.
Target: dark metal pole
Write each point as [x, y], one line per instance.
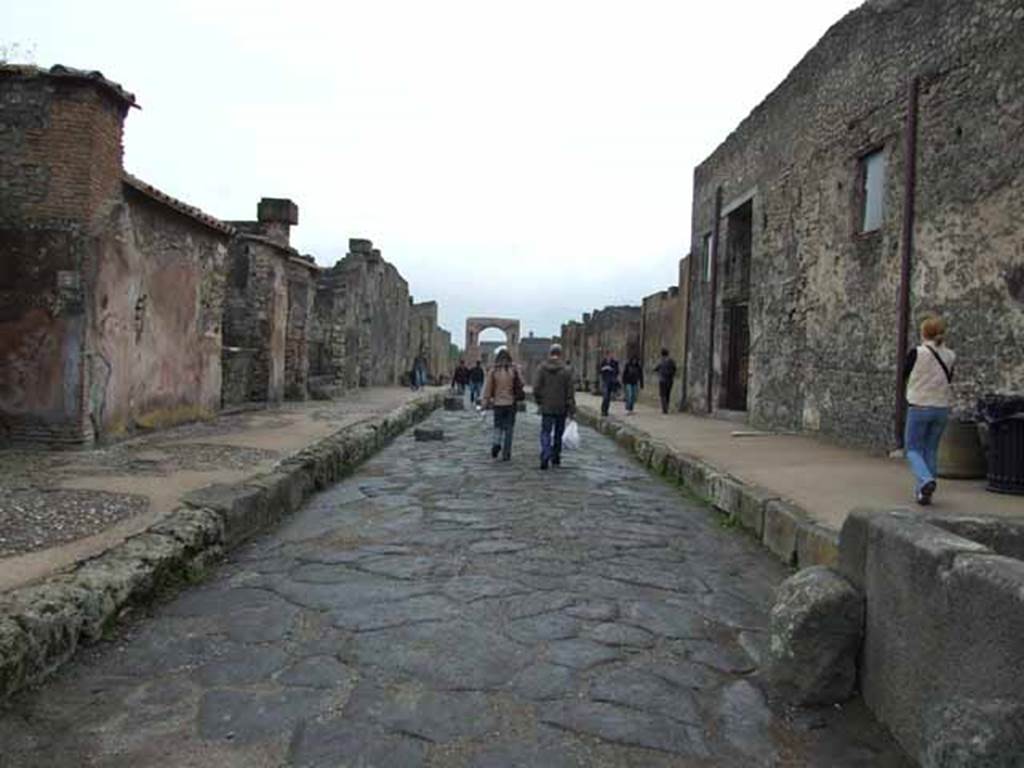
[906, 253]
[713, 296]
[686, 334]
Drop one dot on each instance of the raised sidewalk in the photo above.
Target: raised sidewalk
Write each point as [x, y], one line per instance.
[197, 509]
[793, 492]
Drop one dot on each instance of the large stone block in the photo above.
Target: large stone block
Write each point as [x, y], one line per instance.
[816, 627]
[782, 520]
[816, 544]
[973, 733]
[945, 618]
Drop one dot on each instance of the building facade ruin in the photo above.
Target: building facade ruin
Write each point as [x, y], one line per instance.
[123, 308]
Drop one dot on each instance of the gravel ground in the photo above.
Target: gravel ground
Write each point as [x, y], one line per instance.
[36, 518]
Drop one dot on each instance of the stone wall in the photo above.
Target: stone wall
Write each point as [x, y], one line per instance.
[360, 325]
[663, 326]
[269, 304]
[533, 351]
[613, 328]
[820, 295]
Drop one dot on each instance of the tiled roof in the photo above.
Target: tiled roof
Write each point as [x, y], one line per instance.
[60, 72]
[183, 208]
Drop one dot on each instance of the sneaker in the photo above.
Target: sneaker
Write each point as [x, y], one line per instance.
[506, 457]
[543, 464]
[556, 461]
[495, 450]
[926, 493]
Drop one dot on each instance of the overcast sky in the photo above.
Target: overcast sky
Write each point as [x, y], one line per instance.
[528, 159]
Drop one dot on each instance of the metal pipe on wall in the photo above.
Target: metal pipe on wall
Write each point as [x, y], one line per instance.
[906, 253]
[686, 333]
[713, 298]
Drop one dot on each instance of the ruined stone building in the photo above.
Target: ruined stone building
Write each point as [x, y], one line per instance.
[430, 341]
[663, 320]
[533, 350]
[883, 180]
[267, 309]
[111, 293]
[583, 343]
[122, 307]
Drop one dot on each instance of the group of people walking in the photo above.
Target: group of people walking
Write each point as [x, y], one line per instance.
[633, 380]
[928, 378]
[502, 389]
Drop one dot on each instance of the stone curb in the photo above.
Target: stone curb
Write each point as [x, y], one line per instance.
[783, 527]
[42, 625]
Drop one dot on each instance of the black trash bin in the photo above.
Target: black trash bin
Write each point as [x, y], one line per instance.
[1004, 415]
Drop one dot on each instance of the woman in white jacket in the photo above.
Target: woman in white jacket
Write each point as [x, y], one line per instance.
[929, 376]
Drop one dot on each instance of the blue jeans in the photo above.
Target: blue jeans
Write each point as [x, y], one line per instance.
[474, 391]
[607, 388]
[631, 392]
[504, 426]
[551, 430]
[921, 441]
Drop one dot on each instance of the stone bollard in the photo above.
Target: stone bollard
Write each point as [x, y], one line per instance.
[423, 435]
[816, 629]
[454, 403]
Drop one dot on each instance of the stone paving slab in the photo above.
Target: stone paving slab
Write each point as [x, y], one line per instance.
[494, 615]
[43, 625]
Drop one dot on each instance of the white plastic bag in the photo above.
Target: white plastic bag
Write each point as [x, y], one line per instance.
[571, 436]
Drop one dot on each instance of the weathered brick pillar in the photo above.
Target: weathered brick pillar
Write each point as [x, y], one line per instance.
[60, 173]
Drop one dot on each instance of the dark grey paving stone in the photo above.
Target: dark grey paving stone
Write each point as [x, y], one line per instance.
[436, 716]
[340, 743]
[478, 587]
[745, 723]
[242, 716]
[594, 610]
[723, 655]
[665, 619]
[261, 625]
[579, 654]
[364, 618]
[543, 681]
[637, 689]
[449, 655]
[546, 626]
[613, 634]
[318, 672]
[214, 600]
[620, 725]
[241, 665]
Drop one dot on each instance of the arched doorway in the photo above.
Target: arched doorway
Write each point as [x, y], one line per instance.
[475, 345]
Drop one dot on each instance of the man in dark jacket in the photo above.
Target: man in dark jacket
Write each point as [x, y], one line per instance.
[556, 399]
[608, 375]
[477, 374]
[666, 371]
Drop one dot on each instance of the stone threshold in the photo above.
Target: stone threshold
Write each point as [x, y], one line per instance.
[782, 526]
[43, 625]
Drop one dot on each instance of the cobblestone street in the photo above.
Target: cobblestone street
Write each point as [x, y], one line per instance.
[441, 609]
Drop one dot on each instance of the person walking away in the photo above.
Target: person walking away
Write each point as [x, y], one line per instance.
[502, 391]
[632, 382]
[461, 377]
[419, 372]
[476, 382]
[929, 378]
[608, 375]
[666, 370]
[554, 393]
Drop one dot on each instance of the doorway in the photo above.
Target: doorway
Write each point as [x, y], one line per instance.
[735, 306]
